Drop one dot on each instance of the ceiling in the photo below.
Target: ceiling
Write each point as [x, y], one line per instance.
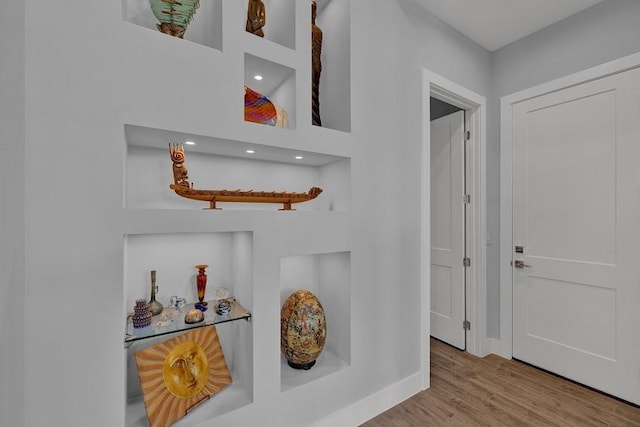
[496, 23]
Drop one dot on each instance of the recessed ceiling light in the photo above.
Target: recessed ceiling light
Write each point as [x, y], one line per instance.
[257, 77]
[299, 157]
[250, 151]
[190, 143]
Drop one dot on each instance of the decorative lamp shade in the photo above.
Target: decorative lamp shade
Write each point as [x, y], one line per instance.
[303, 329]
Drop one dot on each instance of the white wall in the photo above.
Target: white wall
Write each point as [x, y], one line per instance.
[73, 279]
[83, 77]
[392, 42]
[12, 226]
[602, 33]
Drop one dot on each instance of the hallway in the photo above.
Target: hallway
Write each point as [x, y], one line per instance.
[468, 391]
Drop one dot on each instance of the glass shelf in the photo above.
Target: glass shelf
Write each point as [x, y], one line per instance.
[178, 325]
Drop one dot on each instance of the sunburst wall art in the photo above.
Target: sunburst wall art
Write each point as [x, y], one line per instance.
[179, 373]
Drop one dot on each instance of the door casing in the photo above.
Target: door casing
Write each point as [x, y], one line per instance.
[475, 118]
[504, 346]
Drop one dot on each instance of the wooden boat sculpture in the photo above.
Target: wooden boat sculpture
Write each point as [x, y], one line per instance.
[184, 188]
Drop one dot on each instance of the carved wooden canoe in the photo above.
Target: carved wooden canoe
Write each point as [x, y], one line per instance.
[184, 188]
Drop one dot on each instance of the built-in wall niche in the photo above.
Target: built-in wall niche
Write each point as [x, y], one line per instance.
[328, 277]
[279, 23]
[333, 18]
[274, 81]
[215, 163]
[174, 256]
[205, 27]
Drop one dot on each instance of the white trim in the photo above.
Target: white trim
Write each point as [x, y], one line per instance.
[425, 235]
[505, 345]
[475, 106]
[375, 404]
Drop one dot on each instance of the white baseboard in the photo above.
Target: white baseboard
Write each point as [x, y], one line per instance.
[375, 404]
[498, 347]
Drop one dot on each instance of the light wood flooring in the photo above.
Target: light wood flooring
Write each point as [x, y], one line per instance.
[492, 391]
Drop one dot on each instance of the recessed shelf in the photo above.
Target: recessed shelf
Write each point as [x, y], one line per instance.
[278, 84]
[174, 255]
[279, 23]
[205, 27]
[328, 276]
[333, 18]
[237, 395]
[178, 325]
[215, 163]
[171, 234]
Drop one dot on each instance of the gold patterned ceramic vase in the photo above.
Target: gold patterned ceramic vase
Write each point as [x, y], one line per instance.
[303, 329]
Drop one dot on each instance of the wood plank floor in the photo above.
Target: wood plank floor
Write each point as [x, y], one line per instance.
[492, 391]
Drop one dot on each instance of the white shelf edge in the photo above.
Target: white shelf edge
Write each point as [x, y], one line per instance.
[270, 50]
[136, 30]
[168, 221]
[271, 144]
[328, 363]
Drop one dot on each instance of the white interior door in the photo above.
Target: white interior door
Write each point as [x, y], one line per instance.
[447, 229]
[576, 215]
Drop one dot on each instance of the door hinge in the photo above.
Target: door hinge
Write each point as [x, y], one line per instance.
[466, 325]
[466, 261]
[466, 199]
[467, 135]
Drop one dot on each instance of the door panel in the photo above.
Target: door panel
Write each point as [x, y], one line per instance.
[570, 149]
[576, 212]
[447, 229]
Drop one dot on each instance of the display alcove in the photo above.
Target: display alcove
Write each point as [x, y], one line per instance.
[173, 256]
[276, 82]
[280, 22]
[328, 277]
[256, 250]
[334, 19]
[216, 163]
[205, 27]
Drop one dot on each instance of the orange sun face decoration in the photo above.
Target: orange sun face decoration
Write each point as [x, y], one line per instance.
[178, 374]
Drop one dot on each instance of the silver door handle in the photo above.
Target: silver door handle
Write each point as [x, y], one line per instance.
[519, 264]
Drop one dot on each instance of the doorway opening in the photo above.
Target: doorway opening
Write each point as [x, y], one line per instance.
[441, 108]
[449, 202]
[473, 107]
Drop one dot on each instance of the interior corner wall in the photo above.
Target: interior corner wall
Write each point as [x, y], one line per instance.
[439, 48]
[392, 42]
[12, 133]
[602, 33]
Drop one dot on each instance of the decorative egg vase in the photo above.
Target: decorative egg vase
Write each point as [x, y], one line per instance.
[303, 329]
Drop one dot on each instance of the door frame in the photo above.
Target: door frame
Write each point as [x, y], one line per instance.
[504, 346]
[475, 122]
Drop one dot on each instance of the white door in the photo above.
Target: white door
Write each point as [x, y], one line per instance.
[447, 229]
[576, 216]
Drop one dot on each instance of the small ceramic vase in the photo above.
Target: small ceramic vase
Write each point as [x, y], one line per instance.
[141, 314]
[201, 286]
[156, 307]
[223, 307]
